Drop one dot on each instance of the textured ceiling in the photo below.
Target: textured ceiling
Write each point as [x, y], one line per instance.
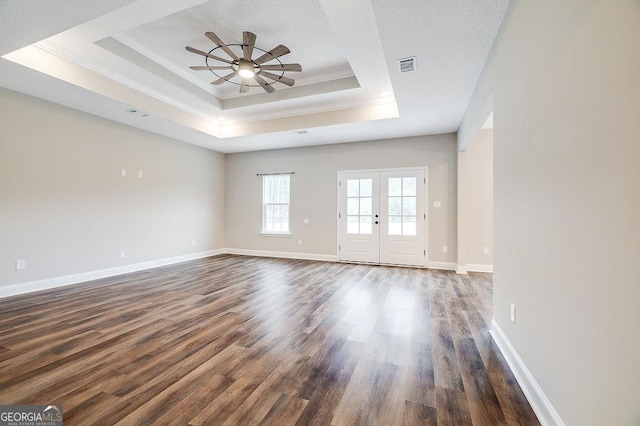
[313, 45]
[25, 22]
[451, 41]
[106, 57]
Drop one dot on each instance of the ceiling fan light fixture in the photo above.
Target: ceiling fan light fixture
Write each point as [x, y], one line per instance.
[245, 69]
[244, 66]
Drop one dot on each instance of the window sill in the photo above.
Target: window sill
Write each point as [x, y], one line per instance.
[276, 234]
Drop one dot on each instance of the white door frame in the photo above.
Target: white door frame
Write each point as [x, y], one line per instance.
[394, 169]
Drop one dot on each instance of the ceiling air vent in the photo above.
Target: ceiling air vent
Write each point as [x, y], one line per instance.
[407, 64]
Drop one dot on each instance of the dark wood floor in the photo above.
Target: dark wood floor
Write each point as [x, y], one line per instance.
[241, 340]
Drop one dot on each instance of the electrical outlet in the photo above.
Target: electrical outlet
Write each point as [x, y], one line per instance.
[140, 173]
[299, 242]
[193, 243]
[436, 204]
[486, 250]
[444, 249]
[21, 264]
[513, 313]
[122, 254]
[123, 172]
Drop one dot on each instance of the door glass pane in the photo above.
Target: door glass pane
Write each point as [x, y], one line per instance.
[365, 225]
[352, 224]
[395, 187]
[366, 188]
[352, 206]
[360, 206]
[409, 225]
[395, 225]
[409, 186]
[402, 201]
[353, 188]
[409, 206]
[365, 206]
[395, 205]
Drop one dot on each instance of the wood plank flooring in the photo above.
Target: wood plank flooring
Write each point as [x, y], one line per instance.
[232, 340]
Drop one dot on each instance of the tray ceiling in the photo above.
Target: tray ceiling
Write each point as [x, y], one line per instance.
[131, 56]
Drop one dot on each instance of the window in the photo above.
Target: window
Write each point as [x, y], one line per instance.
[275, 204]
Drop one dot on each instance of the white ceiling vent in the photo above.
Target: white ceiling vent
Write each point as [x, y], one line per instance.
[407, 64]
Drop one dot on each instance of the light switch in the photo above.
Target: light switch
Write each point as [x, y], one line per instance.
[123, 172]
[436, 204]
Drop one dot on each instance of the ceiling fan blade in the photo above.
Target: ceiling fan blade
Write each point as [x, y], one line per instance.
[283, 67]
[248, 41]
[225, 78]
[282, 79]
[204, 67]
[266, 86]
[214, 38]
[274, 53]
[208, 55]
[244, 85]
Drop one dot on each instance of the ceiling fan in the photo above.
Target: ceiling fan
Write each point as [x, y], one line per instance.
[244, 66]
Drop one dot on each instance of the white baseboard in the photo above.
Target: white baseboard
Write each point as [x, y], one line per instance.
[48, 283]
[283, 254]
[547, 415]
[464, 269]
[479, 268]
[446, 266]
[28, 287]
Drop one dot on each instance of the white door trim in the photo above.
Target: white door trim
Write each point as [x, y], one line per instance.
[393, 169]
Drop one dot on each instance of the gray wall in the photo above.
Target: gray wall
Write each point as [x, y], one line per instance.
[566, 90]
[65, 209]
[475, 202]
[314, 191]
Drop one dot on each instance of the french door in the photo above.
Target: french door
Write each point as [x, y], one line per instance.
[382, 217]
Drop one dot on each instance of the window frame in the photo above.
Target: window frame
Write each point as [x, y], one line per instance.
[265, 205]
